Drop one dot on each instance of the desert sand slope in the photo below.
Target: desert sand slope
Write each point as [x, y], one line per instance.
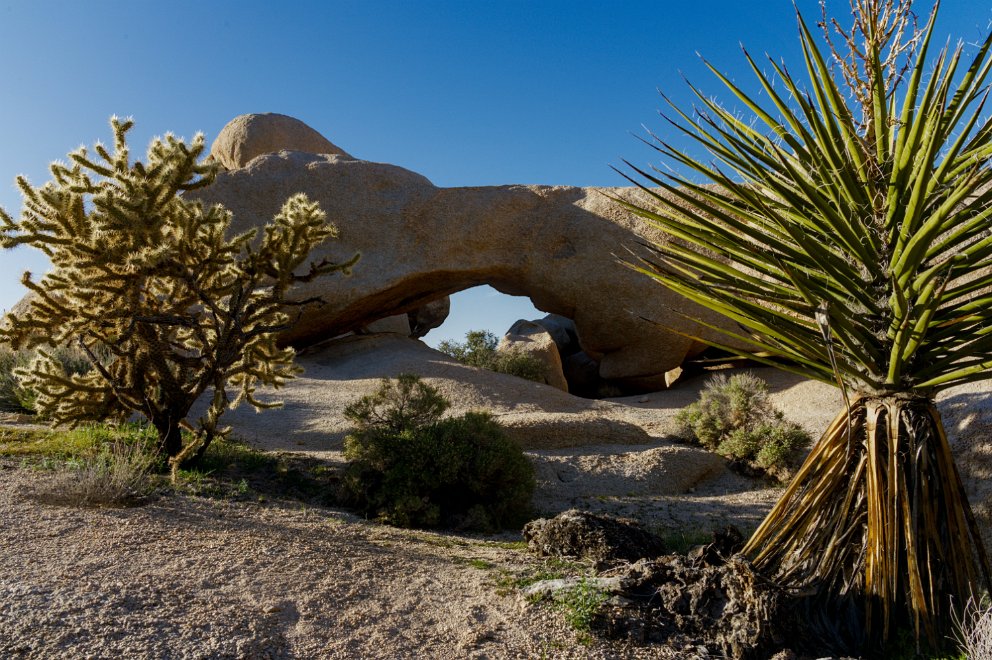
[614, 455]
[194, 578]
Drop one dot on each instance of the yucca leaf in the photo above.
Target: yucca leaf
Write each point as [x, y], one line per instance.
[835, 153]
[834, 113]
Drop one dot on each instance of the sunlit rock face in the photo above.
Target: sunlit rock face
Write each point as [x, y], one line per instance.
[561, 246]
[248, 136]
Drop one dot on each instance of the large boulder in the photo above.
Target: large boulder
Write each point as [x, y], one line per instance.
[429, 316]
[530, 339]
[562, 330]
[419, 242]
[414, 324]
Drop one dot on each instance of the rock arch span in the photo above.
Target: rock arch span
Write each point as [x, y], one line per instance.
[420, 242]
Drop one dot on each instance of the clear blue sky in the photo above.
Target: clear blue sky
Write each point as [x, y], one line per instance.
[466, 93]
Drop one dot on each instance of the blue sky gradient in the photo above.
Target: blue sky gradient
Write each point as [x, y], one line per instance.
[465, 93]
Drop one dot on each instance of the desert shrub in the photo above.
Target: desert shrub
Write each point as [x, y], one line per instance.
[12, 395]
[520, 364]
[396, 407]
[119, 474]
[479, 350]
[768, 444]
[16, 397]
[411, 468]
[725, 404]
[735, 418]
[183, 309]
[974, 626]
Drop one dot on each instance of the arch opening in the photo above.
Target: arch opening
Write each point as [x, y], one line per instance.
[481, 308]
[516, 319]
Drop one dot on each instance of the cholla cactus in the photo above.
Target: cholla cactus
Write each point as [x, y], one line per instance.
[154, 286]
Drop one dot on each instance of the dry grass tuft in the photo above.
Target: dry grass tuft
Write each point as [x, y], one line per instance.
[975, 630]
[119, 475]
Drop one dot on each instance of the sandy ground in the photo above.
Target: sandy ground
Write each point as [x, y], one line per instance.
[187, 577]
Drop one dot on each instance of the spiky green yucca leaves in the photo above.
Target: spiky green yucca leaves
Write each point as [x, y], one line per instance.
[174, 306]
[848, 233]
[887, 229]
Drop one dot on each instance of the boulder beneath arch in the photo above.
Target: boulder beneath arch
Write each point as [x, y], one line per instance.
[535, 342]
[561, 246]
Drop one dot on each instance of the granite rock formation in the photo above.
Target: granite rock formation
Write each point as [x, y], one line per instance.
[533, 340]
[561, 246]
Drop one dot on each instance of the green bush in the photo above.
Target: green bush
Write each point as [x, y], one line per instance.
[12, 395]
[735, 418]
[769, 444]
[520, 364]
[580, 604]
[411, 468]
[16, 398]
[479, 350]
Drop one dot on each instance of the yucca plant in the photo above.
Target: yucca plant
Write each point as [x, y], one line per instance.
[845, 227]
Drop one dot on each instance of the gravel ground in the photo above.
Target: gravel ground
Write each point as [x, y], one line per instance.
[187, 577]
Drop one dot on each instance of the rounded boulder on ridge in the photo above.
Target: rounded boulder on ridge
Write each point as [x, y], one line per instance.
[248, 136]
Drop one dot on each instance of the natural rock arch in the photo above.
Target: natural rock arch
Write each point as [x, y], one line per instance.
[555, 244]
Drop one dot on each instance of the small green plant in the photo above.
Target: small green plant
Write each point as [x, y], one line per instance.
[411, 468]
[520, 364]
[195, 481]
[553, 568]
[229, 469]
[735, 418]
[580, 604]
[12, 396]
[480, 350]
[769, 444]
[59, 446]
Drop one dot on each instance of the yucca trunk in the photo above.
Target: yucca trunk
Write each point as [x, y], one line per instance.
[877, 523]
